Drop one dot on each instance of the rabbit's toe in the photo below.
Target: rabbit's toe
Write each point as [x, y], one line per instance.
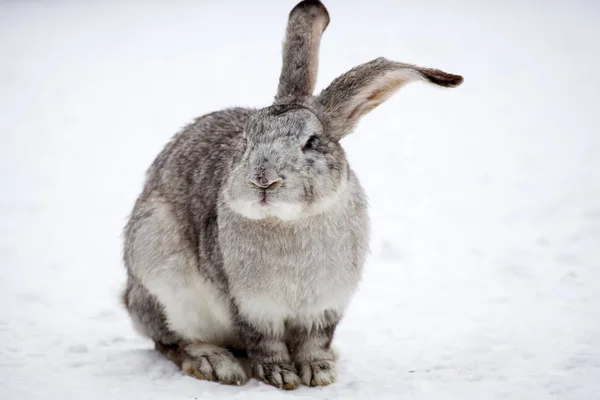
[280, 375]
[215, 365]
[317, 373]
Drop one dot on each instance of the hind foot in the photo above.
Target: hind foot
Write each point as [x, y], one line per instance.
[213, 363]
[206, 362]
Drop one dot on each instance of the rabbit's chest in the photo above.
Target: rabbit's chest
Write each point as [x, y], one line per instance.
[293, 274]
[303, 277]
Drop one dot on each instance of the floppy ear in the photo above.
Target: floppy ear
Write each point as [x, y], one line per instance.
[358, 91]
[306, 24]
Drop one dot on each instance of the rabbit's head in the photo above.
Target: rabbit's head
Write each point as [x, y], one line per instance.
[291, 164]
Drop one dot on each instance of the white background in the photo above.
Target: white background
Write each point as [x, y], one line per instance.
[484, 278]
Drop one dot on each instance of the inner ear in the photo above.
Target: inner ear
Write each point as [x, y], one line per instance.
[378, 91]
[355, 93]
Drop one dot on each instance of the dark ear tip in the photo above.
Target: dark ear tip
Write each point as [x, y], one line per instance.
[307, 6]
[455, 80]
[442, 78]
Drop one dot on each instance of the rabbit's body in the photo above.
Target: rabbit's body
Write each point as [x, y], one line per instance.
[251, 232]
[299, 272]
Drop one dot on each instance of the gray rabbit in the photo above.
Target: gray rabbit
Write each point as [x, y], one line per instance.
[251, 231]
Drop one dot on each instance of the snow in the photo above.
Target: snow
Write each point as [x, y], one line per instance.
[484, 278]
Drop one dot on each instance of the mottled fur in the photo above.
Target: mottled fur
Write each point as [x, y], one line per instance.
[251, 231]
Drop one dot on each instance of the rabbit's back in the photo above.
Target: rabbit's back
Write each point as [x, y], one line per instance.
[188, 174]
[171, 248]
[191, 168]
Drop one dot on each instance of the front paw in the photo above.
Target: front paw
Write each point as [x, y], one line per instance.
[280, 375]
[317, 373]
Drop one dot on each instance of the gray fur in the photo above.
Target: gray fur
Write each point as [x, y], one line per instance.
[306, 23]
[251, 231]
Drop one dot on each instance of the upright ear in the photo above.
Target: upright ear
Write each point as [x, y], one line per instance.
[358, 91]
[306, 24]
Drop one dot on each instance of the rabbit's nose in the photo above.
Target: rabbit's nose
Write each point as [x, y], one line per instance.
[262, 182]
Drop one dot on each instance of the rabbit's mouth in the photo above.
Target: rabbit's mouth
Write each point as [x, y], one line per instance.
[274, 200]
[263, 199]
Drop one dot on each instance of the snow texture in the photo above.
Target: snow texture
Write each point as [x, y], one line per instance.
[484, 278]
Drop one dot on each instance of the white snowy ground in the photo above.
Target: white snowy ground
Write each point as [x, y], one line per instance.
[484, 280]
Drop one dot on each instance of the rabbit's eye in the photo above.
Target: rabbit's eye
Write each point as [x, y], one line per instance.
[311, 143]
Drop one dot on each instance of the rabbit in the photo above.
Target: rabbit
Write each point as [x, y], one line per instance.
[252, 231]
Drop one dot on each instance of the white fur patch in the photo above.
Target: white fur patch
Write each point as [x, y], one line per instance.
[263, 311]
[195, 311]
[254, 210]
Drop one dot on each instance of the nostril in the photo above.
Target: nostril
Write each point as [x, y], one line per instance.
[274, 184]
[263, 183]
